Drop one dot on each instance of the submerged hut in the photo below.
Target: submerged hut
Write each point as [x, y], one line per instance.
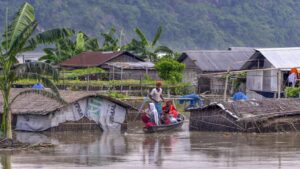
[83, 111]
[267, 115]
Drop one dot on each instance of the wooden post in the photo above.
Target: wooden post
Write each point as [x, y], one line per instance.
[279, 83]
[121, 78]
[226, 85]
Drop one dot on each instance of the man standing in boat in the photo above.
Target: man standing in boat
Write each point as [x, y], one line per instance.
[156, 96]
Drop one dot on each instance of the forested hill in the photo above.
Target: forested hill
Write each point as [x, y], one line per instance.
[188, 24]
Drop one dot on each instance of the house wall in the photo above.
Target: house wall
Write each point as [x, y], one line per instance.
[191, 73]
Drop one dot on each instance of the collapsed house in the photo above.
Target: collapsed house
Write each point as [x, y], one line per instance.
[83, 111]
[268, 115]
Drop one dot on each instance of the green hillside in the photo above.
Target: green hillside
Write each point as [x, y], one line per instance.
[188, 24]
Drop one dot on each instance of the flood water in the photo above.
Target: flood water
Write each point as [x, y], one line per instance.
[133, 150]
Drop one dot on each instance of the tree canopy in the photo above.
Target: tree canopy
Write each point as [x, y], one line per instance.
[190, 24]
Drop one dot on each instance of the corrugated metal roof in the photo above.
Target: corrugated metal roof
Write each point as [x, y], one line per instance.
[220, 60]
[93, 59]
[132, 65]
[282, 57]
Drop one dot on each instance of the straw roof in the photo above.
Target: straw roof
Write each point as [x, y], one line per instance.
[254, 109]
[37, 104]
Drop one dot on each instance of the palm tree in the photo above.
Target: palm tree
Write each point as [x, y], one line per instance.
[19, 37]
[145, 48]
[65, 48]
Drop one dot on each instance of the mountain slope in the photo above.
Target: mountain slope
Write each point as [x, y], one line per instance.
[189, 24]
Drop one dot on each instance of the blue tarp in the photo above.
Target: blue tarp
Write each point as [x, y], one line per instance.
[194, 100]
[239, 96]
[38, 86]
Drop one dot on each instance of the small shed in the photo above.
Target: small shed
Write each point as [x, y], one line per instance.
[201, 63]
[270, 68]
[131, 70]
[83, 111]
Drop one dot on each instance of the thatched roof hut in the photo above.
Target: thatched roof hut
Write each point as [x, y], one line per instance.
[84, 110]
[248, 116]
[38, 104]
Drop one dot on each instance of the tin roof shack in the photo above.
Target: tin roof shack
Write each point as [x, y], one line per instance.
[99, 59]
[268, 115]
[131, 70]
[83, 111]
[270, 69]
[201, 63]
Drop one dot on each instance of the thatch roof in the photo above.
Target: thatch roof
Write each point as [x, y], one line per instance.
[37, 104]
[254, 109]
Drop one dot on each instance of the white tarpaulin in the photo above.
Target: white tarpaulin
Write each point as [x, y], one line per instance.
[107, 114]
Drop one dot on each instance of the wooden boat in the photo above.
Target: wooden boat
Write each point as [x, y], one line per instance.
[162, 128]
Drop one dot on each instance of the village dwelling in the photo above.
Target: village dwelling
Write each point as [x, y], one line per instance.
[268, 71]
[268, 115]
[83, 111]
[118, 65]
[202, 64]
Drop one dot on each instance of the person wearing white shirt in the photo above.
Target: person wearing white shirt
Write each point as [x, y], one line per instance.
[156, 96]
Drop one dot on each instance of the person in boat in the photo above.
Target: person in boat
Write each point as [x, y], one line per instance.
[170, 110]
[165, 118]
[150, 116]
[156, 96]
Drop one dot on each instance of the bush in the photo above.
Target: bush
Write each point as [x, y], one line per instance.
[169, 69]
[292, 91]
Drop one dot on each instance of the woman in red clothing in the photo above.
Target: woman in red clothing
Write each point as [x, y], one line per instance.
[170, 109]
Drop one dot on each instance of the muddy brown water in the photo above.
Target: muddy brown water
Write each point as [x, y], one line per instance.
[180, 149]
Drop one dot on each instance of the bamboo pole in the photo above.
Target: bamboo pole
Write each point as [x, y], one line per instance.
[226, 85]
[279, 83]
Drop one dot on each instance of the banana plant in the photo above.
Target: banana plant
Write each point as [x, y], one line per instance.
[145, 48]
[20, 36]
[65, 48]
[111, 43]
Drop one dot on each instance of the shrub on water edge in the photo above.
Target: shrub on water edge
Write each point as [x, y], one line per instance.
[292, 91]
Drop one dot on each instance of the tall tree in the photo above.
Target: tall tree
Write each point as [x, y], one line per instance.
[19, 37]
[147, 49]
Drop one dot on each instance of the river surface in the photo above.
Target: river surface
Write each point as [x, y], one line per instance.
[134, 150]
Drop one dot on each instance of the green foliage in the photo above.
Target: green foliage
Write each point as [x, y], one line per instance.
[145, 48]
[116, 95]
[111, 42]
[169, 69]
[65, 48]
[82, 72]
[210, 24]
[19, 36]
[292, 91]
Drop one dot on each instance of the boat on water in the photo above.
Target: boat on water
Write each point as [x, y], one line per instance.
[170, 127]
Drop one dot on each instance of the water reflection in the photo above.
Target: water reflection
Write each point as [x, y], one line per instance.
[181, 149]
[154, 148]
